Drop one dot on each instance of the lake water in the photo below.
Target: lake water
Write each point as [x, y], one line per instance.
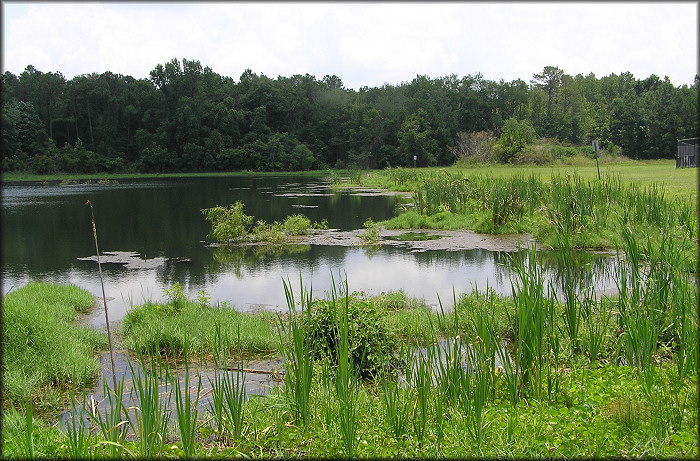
[152, 234]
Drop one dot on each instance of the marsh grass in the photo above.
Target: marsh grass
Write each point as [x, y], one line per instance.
[186, 409]
[78, 437]
[29, 430]
[151, 415]
[346, 375]
[586, 209]
[298, 354]
[41, 346]
[154, 327]
[115, 423]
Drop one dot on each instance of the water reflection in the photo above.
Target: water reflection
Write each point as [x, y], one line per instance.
[157, 225]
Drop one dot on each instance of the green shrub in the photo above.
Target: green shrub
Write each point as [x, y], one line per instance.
[515, 136]
[372, 344]
[228, 224]
[371, 233]
[296, 225]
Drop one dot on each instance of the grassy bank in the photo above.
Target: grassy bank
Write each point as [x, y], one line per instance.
[678, 183]
[592, 213]
[166, 327]
[44, 353]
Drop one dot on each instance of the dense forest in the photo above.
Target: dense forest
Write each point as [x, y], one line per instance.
[186, 117]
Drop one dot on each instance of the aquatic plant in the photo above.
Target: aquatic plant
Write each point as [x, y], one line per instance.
[371, 234]
[298, 354]
[185, 408]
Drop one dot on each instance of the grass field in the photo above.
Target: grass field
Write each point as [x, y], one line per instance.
[681, 183]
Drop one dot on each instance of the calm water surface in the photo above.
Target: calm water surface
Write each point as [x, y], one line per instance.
[152, 233]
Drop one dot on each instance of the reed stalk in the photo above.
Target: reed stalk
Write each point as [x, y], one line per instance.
[346, 379]
[234, 396]
[152, 415]
[29, 429]
[423, 383]
[78, 438]
[396, 406]
[104, 297]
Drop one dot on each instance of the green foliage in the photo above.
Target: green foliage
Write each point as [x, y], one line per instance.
[186, 117]
[233, 225]
[371, 343]
[230, 224]
[371, 234]
[157, 327]
[515, 136]
[296, 225]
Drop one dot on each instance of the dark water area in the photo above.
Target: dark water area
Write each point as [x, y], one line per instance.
[152, 234]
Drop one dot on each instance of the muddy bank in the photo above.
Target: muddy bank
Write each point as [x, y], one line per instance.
[433, 239]
[449, 240]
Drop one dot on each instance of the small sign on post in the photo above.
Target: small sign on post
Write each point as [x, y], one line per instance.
[596, 148]
[415, 158]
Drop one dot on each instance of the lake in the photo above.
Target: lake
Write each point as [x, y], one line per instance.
[152, 234]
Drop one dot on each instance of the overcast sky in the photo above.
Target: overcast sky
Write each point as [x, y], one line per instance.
[365, 43]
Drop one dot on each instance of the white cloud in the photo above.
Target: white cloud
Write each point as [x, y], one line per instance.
[363, 43]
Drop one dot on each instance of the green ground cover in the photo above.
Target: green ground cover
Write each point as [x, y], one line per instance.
[44, 353]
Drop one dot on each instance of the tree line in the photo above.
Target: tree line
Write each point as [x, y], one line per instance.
[186, 117]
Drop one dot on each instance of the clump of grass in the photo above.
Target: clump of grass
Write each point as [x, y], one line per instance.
[163, 326]
[41, 346]
[151, 418]
[298, 355]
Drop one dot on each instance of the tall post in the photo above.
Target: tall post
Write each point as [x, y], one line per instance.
[596, 147]
[104, 298]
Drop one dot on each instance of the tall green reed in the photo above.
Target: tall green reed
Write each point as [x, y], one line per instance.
[346, 378]
[397, 399]
[185, 409]
[422, 381]
[151, 415]
[115, 423]
[29, 429]
[227, 392]
[596, 325]
[396, 407]
[298, 359]
[234, 397]
[570, 288]
[78, 437]
[528, 322]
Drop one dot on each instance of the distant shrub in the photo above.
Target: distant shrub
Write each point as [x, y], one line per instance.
[371, 233]
[228, 224]
[515, 136]
[474, 147]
